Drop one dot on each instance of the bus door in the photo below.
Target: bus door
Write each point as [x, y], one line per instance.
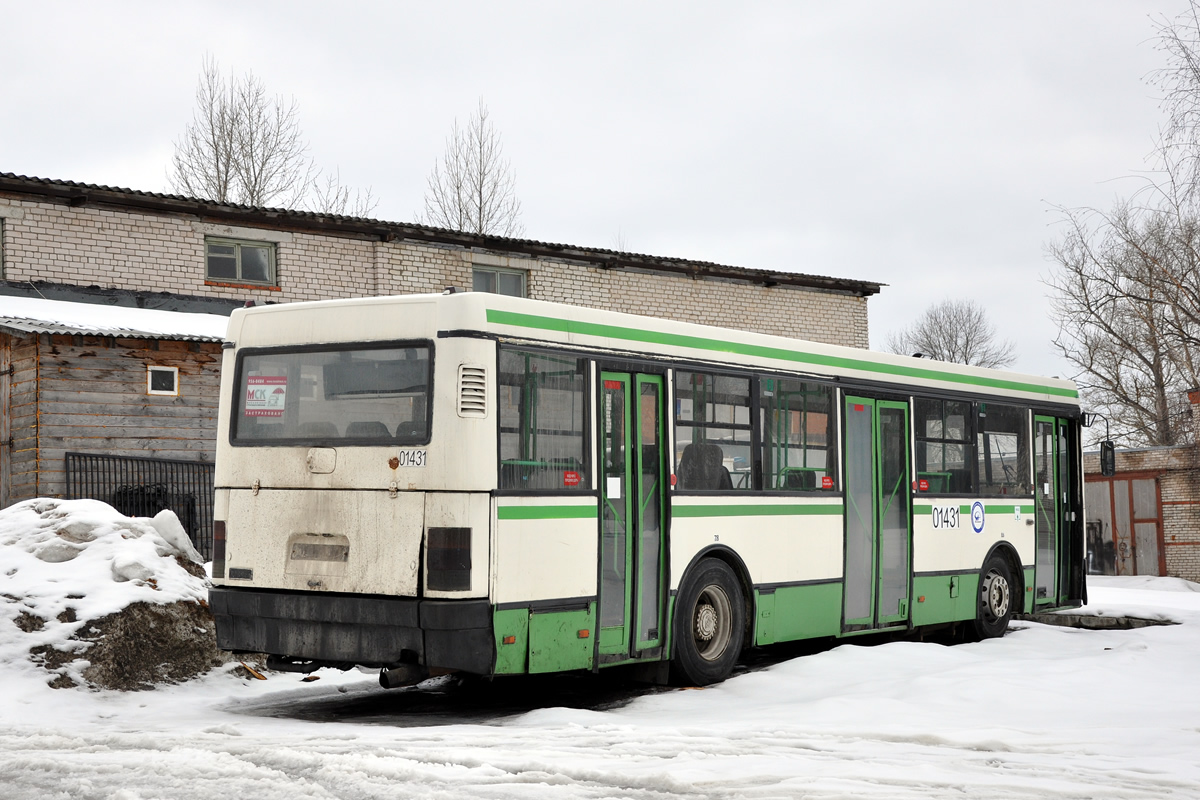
[878, 535]
[1059, 572]
[633, 496]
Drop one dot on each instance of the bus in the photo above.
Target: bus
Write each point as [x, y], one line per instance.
[490, 485]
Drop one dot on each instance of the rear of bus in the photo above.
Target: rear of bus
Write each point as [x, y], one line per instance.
[351, 513]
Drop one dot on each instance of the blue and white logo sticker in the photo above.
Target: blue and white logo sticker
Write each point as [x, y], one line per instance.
[977, 516]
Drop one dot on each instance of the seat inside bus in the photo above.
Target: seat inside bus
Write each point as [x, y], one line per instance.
[701, 467]
[363, 429]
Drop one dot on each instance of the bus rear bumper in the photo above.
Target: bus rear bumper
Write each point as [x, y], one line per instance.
[343, 630]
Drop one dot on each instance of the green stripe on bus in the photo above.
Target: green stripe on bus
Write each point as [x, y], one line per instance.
[546, 512]
[753, 511]
[927, 510]
[702, 343]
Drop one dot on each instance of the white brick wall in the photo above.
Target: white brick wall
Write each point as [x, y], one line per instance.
[165, 253]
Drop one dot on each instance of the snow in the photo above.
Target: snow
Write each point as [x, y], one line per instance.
[1045, 712]
[84, 556]
[114, 320]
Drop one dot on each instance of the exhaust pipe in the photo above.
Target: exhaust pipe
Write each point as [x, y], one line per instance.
[403, 675]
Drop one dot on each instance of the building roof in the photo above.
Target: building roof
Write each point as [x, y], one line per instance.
[84, 194]
[35, 315]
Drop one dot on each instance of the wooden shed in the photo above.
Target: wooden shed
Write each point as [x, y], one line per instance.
[116, 404]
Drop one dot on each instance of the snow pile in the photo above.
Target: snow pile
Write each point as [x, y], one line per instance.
[95, 596]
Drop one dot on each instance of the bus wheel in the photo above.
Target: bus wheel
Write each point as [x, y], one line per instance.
[710, 622]
[995, 599]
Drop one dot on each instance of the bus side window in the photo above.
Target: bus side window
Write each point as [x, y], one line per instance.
[712, 432]
[796, 431]
[542, 399]
[945, 451]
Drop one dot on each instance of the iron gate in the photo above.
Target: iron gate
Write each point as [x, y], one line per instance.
[141, 487]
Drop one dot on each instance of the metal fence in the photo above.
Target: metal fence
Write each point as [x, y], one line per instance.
[141, 487]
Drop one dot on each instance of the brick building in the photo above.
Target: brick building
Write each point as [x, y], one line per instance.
[62, 232]
[1145, 519]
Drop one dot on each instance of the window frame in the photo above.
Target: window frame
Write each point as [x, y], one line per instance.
[833, 439]
[753, 445]
[587, 433]
[272, 249]
[968, 442]
[239, 371]
[981, 431]
[497, 272]
[173, 371]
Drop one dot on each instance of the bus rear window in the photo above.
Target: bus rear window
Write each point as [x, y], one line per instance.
[344, 396]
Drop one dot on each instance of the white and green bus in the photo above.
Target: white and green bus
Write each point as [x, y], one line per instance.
[476, 483]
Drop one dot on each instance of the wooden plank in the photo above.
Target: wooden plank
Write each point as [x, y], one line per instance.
[115, 445]
[6, 348]
[133, 388]
[127, 433]
[111, 397]
[131, 368]
[133, 416]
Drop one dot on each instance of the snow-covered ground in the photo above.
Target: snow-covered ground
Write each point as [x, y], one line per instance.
[1045, 712]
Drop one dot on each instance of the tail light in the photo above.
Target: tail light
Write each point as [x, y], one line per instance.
[218, 568]
[448, 561]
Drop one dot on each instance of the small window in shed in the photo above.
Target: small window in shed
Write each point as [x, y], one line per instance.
[162, 380]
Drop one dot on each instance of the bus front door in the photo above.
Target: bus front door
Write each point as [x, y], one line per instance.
[1058, 572]
[633, 486]
[878, 535]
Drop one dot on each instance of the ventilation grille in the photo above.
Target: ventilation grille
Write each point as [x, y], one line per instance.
[472, 391]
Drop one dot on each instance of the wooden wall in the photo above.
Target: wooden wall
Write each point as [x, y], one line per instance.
[87, 394]
[18, 404]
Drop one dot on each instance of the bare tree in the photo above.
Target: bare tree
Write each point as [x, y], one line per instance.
[954, 330]
[203, 164]
[472, 187]
[1127, 282]
[1178, 147]
[329, 195]
[244, 146]
[1127, 304]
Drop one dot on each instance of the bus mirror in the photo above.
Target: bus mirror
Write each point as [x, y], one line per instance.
[1108, 459]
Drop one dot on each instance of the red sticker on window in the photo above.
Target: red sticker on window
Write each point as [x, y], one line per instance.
[826, 482]
[859, 407]
[570, 478]
[612, 385]
[922, 485]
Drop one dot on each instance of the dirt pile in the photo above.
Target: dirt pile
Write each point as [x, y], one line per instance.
[135, 648]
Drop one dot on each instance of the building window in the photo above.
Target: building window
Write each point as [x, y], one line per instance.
[162, 380]
[499, 281]
[240, 261]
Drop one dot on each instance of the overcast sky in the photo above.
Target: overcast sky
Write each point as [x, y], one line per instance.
[924, 145]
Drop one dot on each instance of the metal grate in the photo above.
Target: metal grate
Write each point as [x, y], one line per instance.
[141, 487]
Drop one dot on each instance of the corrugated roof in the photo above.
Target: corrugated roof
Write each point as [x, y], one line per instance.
[35, 315]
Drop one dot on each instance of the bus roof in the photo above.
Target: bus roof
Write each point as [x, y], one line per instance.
[559, 324]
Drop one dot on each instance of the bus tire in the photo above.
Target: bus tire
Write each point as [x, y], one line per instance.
[710, 623]
[996, 598]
